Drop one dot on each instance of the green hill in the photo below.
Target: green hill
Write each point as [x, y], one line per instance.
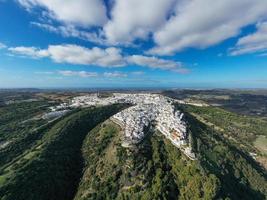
[157, 170]
[153, 170]
[80, 157]
[240, 175]
[52, 169]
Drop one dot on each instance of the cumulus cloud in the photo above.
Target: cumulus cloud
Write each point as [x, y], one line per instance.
[74, 54]
[133, 19]
[156, 63]
[109, 57]
[202, 23]
[29, 51]
[83, 74]
[76, 12]
[253, 43]
[153, 62]
[172, 25]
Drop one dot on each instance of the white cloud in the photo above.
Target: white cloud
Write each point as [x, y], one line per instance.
[76, 12]
[86, 74]
[70, 31]
[202, 23]
[156, 63]
[115, 74]
[82, 74]
[109, 57]
[74, 54]
[29, 51]
[173, 25]
[153, 62]
[253, 43]
[2, 46]
[133, 19]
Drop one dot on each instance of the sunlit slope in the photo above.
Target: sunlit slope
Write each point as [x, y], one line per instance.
[52, 169]
[155, 169]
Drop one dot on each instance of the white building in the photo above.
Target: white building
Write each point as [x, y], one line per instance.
[147, 108]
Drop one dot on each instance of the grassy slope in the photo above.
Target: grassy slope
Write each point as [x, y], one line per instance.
[52, 170]
[261, 144]
[154, 170]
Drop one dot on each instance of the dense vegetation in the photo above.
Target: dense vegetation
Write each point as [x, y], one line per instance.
[157, 170]
[21, 126]
[153, 170]
[51, 170]
[79, 157]
[240, 176]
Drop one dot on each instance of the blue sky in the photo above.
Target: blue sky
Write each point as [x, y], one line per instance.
[133, 43]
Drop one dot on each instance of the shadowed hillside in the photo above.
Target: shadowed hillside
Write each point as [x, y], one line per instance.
[52, 169]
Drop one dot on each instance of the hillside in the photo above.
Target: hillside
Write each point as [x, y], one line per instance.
[153, 170]
[51, 169]
[79, 156]
[244, 132]
[240, 175]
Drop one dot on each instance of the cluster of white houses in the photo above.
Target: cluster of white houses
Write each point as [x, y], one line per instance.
[136, 120]
[148, 110]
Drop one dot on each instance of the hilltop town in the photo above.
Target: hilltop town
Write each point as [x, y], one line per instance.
[133, 144]
[148, 111]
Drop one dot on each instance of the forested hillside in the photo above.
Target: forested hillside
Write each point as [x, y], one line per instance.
[156, 169]
[153, 170]
[241, 177]
[53, 167]
[246, 133]
[80, 157]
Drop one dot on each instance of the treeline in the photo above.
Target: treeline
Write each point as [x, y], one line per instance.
[55, 167]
